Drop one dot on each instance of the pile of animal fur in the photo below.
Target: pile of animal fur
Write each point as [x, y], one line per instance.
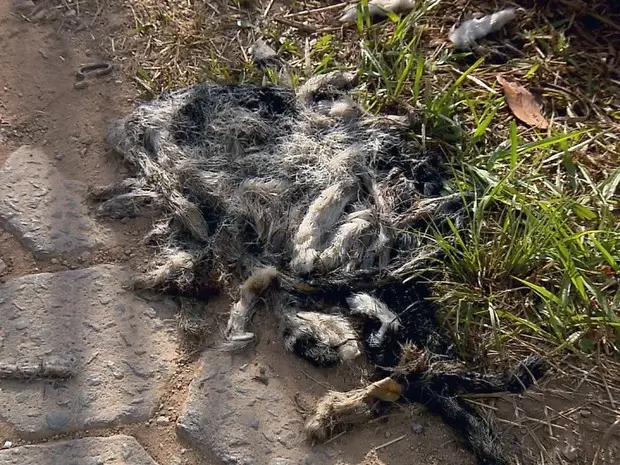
[321, 209]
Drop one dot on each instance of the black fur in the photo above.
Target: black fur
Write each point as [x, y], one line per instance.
[439, 385]
[310, 349]
[439, 391]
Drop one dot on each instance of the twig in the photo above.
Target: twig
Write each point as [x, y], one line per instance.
[481, 404]
[393, 441]
[604, 378]
[100, 9]
[296, 25]
[607, 409]
[541, 448]
[307, 58]
[325, 385]
[549, 425]
[490, 395]
[213, 7]
[605, 439]
[61, 25]
[315, 10]
[266, 12]
[333, 438]
[546, 422]
[565, 415]
[245, 56]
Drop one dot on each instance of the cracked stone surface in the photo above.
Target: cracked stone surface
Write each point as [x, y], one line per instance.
[113, 450]
[241, 420]
[119, 348]
[45, 211]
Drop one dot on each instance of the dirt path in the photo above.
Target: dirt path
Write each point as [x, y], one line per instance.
[39, 106]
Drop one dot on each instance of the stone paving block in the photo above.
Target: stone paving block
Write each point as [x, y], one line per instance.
[239, 419]
[120, 349]
[45, 211]
[113, 450]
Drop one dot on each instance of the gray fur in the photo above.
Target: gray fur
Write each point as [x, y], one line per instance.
[245, 177]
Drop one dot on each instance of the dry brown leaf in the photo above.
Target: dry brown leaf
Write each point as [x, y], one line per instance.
[387, 389]
[523, 104]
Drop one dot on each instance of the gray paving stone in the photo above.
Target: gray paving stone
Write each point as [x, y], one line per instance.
[23, 6]
[113, 450]
[43, 210]
[239, 419]
[120, 349]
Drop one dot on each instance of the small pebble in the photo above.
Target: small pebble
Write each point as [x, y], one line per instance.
[585, 413]
[94, 381]
[569, 452]
[162, 421]
[261, 376]
[54, 261]
[7, 444]
[58, 420]
[59, 156]
[2, 266]
[253, 423]
[417, 428]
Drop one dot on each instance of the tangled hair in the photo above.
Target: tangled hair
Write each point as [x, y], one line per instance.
[310, 203]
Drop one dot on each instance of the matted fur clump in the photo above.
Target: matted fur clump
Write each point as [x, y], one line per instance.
[248, 176]
[305, 184]
[316, 207]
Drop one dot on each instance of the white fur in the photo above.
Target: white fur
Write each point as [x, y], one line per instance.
[332, 330]
[378, 8]
[346, 244]
[465, 36]
[367, 305]
[241, 312]
[322, 215]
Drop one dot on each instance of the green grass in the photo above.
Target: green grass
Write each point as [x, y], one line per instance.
[537, 263]
[540, 252]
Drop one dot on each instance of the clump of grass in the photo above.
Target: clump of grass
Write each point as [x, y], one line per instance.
[530, 266]
[538, 260]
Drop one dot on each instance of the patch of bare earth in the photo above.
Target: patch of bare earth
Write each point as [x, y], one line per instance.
[567, 421]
